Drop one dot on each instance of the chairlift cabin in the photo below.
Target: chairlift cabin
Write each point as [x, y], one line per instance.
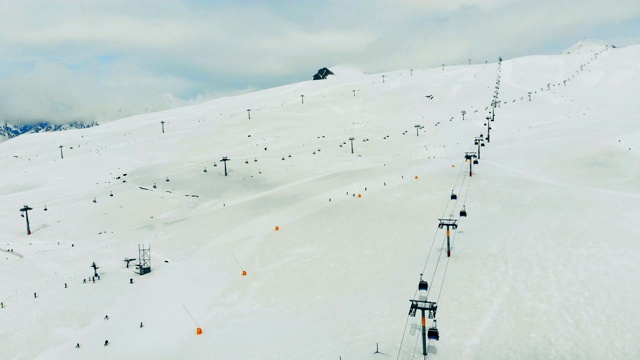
[423, 285]
[463, 212]
[453, 196]
[475, 161]
[433, 333]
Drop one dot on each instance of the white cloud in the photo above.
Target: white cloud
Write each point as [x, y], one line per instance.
[103, 60]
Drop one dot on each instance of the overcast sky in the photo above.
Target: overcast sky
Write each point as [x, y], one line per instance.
[104, 60]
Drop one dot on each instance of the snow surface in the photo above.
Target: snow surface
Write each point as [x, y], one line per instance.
[544, 267]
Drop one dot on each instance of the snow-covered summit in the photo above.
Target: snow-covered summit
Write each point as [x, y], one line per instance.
[585, 47]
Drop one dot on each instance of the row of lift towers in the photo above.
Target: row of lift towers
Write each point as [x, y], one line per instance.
[429, 308]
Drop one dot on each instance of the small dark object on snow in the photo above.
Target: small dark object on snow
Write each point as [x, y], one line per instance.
[77, 345]
[131, 281]
[322, 74]
[106, 342]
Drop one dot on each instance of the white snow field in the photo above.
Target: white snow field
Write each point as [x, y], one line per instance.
[545, 265]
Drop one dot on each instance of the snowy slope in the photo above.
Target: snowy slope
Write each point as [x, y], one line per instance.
[544, 266]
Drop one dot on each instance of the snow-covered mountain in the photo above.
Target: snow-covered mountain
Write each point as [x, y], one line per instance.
[9, 130]
[308, 249]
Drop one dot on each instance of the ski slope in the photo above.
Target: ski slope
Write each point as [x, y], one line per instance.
[544, 266]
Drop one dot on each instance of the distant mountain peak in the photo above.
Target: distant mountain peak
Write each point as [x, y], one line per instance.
[9, 130]
[584, 47]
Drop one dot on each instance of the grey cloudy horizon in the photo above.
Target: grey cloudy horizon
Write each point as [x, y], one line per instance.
[104, 60]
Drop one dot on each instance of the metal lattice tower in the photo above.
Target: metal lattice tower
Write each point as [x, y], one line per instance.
[144, 259]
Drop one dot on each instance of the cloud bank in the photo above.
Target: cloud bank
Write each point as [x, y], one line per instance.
[104, 60]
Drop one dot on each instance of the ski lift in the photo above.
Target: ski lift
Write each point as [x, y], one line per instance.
[94, 200]
[205, 170]
[482, 144]
[110, 193]
[475, 161]
[214, 164]
[423, 285]
[463, 212]
[154, 186]
[167, 179]
[246, 161]
[45, 208]
[453, 196]
[433, 333]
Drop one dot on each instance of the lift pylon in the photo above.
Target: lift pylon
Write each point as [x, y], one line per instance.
[423, 306]
[448, 223]
[470, 156]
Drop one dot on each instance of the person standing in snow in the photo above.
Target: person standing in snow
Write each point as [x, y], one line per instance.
[106, 342]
